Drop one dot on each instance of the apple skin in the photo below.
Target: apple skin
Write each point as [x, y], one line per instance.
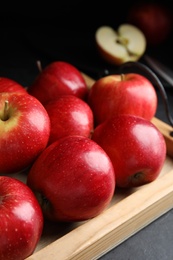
[58, 78]
[24, 131]
[69, 115]
[129, 93]
[21, 219]
[73, 179]
[9, 85]
[154, 19]
[135, 146]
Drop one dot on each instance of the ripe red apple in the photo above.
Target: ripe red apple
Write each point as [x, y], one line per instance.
[73, 179]
[69, 115]
[154, 19]
[10, 85]
[129, 93]
[21, 219]
[58, 78]
[135, 146]
[24, 130]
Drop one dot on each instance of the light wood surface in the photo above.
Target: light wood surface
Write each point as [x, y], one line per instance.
[128, 213]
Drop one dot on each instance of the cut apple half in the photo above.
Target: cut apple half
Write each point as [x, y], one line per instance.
[128, 43]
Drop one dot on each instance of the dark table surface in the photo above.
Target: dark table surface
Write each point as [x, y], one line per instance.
[29, 34]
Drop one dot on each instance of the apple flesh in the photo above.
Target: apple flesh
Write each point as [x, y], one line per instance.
[58, 78]
[9, 85]
[153, 19]
[24, 130]
[21, 220]
[73, 179]
[128, 43]
[135, 146]
[69, 115]
[129, 93]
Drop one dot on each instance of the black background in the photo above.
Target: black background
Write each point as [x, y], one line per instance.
[62, 31]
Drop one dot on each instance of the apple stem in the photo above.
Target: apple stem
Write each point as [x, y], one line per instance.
[122, 77]
[39, 66]
[6, 110]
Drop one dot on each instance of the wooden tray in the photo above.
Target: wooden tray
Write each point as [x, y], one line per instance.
[128, 213]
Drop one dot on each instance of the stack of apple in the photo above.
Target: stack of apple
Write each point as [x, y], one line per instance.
[78, 174]
[24, 133]
[76, 144]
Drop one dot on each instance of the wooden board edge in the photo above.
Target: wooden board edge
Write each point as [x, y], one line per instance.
[113, 226]
[166, 130]
[89, 81]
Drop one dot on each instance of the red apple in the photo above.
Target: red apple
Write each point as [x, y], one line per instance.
[24, 130]
[9, 85]
[73, 179]
[154, 19]
[21, 219]
[129, 93]
[69, 115]
[58, 78]
[135, 146]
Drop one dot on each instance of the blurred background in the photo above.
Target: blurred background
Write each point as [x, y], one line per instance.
[64, 30]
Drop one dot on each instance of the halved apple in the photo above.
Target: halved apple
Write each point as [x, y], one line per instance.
[128, 43]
